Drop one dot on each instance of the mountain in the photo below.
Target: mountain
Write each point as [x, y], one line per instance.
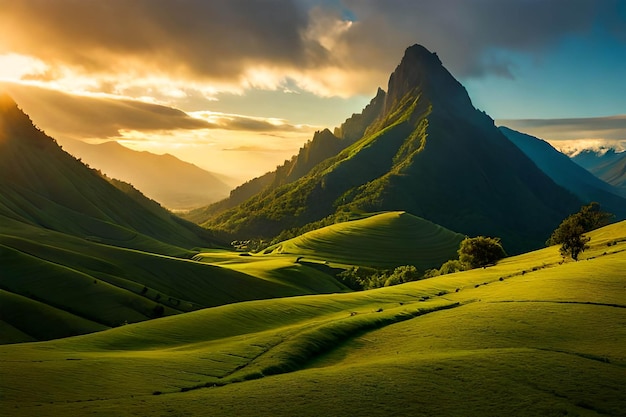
[607, 165]
[567, 173]
[176, 184]
[426, 151]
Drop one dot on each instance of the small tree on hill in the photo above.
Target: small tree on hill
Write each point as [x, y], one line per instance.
[479, 251]
[570, 233]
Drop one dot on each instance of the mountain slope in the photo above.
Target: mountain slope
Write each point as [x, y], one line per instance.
[323, 146]
[609, 166]
[43, 185]
[176, 184]
[568, 174]
[429, 152]
[384, 240]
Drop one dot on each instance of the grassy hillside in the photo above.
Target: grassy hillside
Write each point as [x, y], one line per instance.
[529, 336]
[90, 286]
[383, 240]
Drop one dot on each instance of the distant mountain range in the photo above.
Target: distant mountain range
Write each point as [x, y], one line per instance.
[568, 174]
[420, 147]
[176, 184]
[608, 165]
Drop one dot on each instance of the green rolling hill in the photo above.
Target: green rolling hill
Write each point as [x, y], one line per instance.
[383, 240]
[530, 336]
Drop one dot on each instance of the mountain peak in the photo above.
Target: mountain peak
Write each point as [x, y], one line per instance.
[8, 106]
[16, 126]
[420, 53]
[6, 101]
[421, 72]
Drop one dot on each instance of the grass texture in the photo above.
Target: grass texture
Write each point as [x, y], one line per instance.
[532, 335]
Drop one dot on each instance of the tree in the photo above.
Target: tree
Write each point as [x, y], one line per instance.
[402, 274]
[591, 217]
[570, 233]
[451, 266]
[480, 251]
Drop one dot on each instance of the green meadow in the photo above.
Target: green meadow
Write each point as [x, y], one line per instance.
[532, 335]
[383, 240]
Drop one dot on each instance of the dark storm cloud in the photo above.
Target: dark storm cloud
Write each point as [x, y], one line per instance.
[215, 38]
[468, 34]
[218, 40]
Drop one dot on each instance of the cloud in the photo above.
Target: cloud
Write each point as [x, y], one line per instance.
[249, 148]
[328, 47]
[468, 35]
[213, 38]
[102, 117]
[227, 121]
[610, 127]
[576, 133]
[97, 116]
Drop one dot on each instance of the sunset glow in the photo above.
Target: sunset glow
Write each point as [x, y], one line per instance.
[260, 78]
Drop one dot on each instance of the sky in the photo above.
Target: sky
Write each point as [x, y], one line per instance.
[238, 86]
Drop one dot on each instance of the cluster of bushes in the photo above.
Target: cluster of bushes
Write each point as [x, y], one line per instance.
[450, 267]
[359, 278]
[473, 252]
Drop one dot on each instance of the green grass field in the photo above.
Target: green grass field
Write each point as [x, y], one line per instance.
[83, 286]
[88, 285]
[528, 336]
[383, 240]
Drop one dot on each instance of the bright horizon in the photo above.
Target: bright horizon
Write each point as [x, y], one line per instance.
[238, 87]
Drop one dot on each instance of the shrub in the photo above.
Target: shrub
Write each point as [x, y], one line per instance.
[480, 251]
[364, 279]
[451, 266]
[158, 310]
[431, 273]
